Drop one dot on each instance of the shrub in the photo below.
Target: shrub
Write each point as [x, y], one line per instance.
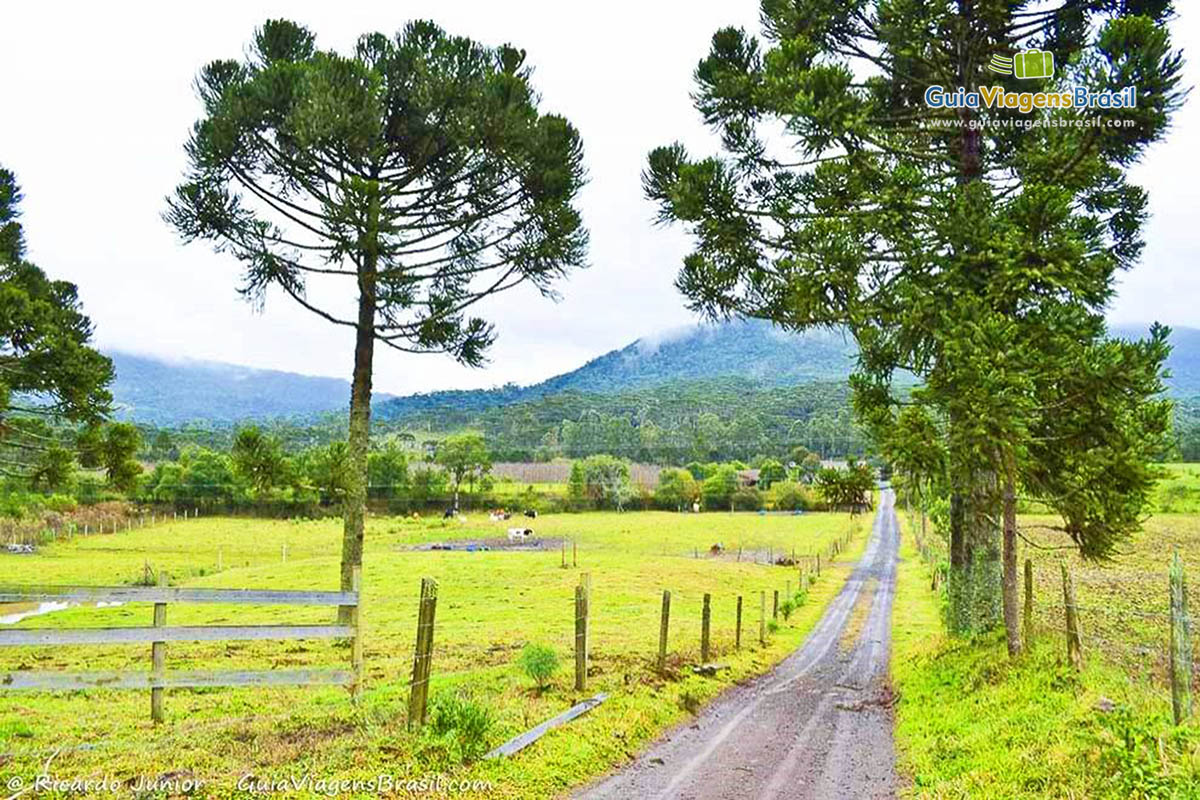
[747, 499]
[462, 721]
[789, 496]
[787, 607]
[772, 626]
[540, 663]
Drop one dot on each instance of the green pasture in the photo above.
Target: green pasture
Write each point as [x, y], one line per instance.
[491, 604]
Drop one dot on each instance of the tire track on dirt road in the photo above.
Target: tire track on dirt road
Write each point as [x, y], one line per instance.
[819, 725]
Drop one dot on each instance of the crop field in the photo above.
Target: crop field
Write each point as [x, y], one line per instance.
[491, 604]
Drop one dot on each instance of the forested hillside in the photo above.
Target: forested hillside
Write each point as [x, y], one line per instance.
[714, 391]
[672, 423]
[153, 390]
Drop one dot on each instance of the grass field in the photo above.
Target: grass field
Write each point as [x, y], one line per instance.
[973, 723]
[491, 604]
[1179, 491]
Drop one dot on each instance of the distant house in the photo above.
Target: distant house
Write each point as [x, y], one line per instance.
[748, 478]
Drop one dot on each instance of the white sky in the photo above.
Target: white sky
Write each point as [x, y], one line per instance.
[97, 101]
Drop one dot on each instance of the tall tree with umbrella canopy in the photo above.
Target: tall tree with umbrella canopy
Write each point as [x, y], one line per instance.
[416, 170]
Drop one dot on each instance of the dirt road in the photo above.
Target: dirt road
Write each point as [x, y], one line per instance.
[817, 726]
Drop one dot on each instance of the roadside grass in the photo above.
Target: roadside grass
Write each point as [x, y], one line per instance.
[970, 722]
[490, 605]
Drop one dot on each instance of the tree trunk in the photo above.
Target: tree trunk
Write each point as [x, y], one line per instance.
[358, 439]
[1012, 623]
[974, 589]
[957, 583]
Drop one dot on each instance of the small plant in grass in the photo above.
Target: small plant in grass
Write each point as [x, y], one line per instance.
[772, 626]
[462, 724]
[787, 607]
[800, 598]
[689, 702]
[540, 663]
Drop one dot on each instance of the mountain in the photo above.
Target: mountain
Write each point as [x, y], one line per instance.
[154, 390]
[753, 350]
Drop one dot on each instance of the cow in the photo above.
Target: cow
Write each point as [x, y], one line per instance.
[531, 513]
[519, 534]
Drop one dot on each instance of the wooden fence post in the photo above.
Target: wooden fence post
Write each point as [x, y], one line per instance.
[762, 618]
[356, 644]
[581, 611]
[574, 553]
[737, 641]
[1074, 640]
[1181, 643]
[664, 626]
[564, 553]
[1028, 602]
[775, 606]
[418, 696]
[158, 657]
[705, 628]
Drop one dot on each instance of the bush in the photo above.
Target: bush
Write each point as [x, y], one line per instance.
[462, 721]
[540, 663]
[772, 626]
[787, 607]
[747, 499]
[789, 496]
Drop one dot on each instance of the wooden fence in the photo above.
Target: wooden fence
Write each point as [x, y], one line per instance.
[159, 634]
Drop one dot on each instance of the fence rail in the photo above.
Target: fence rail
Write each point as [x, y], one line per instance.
[159, 634]
[165, 594]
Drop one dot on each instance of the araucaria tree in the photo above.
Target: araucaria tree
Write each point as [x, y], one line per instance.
[974, 245]
[49, 373]
[416, 170]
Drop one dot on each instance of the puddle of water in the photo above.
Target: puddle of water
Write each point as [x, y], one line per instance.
[26, 610]
[20, 611]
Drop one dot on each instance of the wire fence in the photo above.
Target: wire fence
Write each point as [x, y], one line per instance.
[1135, 617]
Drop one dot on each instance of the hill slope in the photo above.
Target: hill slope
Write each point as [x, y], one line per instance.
[149, 389]
[154, 390]
[752, 350]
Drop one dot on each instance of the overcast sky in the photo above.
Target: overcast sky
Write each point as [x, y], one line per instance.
[96, 102]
